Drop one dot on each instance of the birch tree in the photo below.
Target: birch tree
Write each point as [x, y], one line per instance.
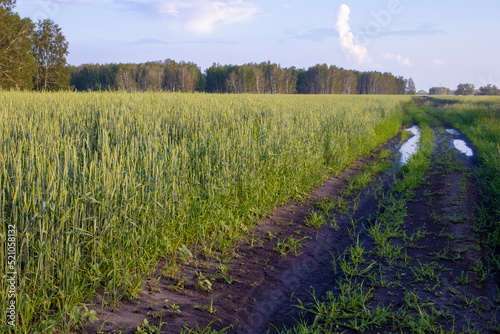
[17, 66]
[50, 49]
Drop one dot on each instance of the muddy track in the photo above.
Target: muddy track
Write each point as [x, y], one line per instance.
[444, 267]
[254, 288]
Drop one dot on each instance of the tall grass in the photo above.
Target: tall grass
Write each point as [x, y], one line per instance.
[101, 186]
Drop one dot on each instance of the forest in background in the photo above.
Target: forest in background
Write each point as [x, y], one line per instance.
[263, 78]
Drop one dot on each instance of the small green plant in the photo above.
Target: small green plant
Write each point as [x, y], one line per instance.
[253, 240]
[156, 314]
[351, 269]
[223, 271]
[146, 328]
[479, 268]
[326, 205]
[426, 272]
[342, 206]
[416, 235]
[470, 300]
[178, 287]
[463, 278]
[153, 285]
[355, 204]
[204, 283]
[152, 304]
[333, 224]
[315, 220]
[81, 318]
[288, 245]
[175, 309]
[443, 255]
[270, 235]
[211, 307]
[352, 231]
[90, 315]
[412, 300]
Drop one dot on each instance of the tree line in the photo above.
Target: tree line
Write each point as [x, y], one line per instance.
[32, 54]
[252, 78]
[466, 89]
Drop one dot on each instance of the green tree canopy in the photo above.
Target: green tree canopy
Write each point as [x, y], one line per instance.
[50, 49]
[465, 89]
[439, 91]
[489, 90]
[7, 4]
[411, 89]
[17, 66]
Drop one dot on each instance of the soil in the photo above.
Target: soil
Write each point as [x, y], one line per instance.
[254, 289]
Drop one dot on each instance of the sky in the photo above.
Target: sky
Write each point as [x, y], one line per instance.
[437, 43]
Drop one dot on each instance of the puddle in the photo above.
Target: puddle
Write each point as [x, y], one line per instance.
[411, 146]
[459, 144]
[462, 147]
[452, 131]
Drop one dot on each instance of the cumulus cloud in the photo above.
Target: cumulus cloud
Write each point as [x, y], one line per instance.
[203, 16]
[437, 62]
[399, 59]
[346, 37]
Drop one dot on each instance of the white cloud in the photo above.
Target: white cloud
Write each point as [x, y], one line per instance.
[437, 62]
[346, 37]
[404, 61]
[203, 16]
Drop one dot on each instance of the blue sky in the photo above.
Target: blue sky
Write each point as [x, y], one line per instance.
[440, 42]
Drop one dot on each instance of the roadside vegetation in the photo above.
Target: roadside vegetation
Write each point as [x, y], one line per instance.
[102, 186]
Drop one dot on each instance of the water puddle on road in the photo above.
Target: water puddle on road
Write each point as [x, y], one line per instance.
[411, 146]
[452, 131]
[462, 147]
[459, 144]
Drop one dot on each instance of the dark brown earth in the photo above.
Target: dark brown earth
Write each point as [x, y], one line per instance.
[254, 288]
